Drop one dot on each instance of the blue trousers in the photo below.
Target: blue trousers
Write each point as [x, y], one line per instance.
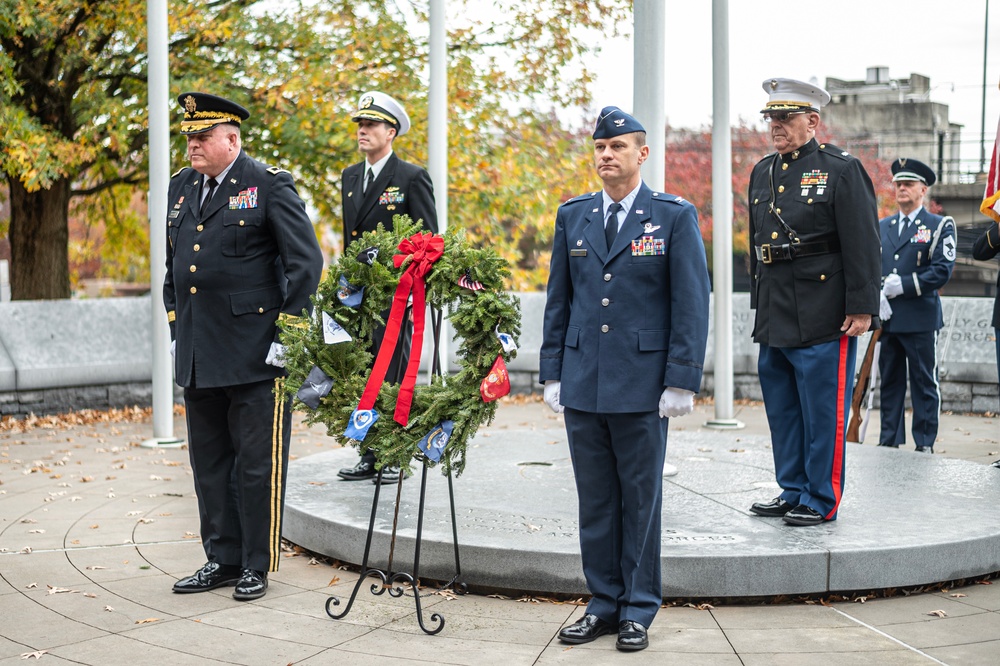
[807, 397]
[618, 465]
[915, 353]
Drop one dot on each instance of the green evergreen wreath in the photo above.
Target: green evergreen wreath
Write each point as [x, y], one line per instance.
[476, 316]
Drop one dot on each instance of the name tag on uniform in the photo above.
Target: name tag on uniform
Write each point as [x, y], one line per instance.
[578, 253]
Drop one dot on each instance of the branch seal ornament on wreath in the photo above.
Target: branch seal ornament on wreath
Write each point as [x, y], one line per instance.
[329, 356]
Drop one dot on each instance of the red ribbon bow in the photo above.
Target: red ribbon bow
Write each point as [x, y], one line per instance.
[419, 252]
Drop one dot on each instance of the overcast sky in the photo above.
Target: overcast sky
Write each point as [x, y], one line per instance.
[941, 39]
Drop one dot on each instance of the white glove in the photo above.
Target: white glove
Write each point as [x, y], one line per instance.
[893, 286]
[551, 395]
[676, 402]
[884, 309]
[173, 349]
[276, 355]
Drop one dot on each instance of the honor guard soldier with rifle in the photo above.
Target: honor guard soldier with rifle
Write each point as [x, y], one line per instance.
[918, 256]
[815, 276]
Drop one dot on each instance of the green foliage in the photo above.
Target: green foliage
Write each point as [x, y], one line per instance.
[73, 99]
[474, 315]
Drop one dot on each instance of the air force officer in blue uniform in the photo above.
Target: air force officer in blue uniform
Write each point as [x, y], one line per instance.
[918, 255]
[626, 322]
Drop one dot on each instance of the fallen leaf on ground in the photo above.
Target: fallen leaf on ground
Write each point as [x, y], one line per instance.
[938, 613]
[148, 620]
[37, 654]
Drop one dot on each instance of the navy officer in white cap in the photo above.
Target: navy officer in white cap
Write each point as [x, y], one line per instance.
[918, 256]
[815, 278]
[373, 191]
[625, 328]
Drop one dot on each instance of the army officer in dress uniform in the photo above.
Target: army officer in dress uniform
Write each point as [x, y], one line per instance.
[241, 253]
[625, 328]
[918, 255]
[815, 277]
[373, 191]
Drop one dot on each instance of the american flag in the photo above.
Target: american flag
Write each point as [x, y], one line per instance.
[991, 199]
[469, 283]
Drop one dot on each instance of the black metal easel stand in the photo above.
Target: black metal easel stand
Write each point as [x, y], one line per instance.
[388, 580]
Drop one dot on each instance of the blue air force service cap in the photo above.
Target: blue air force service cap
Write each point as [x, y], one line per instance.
[202, 112]
[907, 168]
[380, 107]
[792, 95]
[615, 122]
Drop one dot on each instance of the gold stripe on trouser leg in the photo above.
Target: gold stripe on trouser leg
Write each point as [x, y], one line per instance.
[277, 458]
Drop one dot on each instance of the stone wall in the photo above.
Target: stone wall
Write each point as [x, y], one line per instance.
[56, 356]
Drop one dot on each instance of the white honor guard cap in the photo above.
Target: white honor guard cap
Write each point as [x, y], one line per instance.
[378, 106]
[792, 95]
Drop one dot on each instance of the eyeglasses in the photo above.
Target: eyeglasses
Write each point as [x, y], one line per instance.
[781, 116]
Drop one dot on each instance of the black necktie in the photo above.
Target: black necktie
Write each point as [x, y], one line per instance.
[611, 224]
[368, 181]
[211, 184]
[904, 224]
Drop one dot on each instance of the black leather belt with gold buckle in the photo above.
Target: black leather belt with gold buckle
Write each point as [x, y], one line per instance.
[769, 253]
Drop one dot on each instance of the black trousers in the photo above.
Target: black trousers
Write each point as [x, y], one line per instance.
[239, 453]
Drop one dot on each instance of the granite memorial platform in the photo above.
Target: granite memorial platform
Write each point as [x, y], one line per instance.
[906, 519]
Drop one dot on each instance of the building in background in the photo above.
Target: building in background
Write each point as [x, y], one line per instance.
[896, 117]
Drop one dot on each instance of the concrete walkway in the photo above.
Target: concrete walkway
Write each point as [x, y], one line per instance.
[94, 530]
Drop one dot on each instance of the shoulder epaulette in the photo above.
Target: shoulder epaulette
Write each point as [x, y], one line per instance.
[671, 198]
[582, 197]
[274, 171]
[830, 149]
[178, 172]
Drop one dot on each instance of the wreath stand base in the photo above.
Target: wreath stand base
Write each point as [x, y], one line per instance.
[388, 580]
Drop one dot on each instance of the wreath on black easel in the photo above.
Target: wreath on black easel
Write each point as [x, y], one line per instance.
[328, 359]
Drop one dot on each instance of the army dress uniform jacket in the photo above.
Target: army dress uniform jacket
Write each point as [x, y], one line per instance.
[401, 188]
[622, 325]
[253, 257]
[923, 257]
[826, 197]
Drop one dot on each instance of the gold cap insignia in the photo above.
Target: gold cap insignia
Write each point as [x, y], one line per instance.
[190, 105]
[366, 101]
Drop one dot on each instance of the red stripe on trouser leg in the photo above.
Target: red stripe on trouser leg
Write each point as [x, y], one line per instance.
[840, 436]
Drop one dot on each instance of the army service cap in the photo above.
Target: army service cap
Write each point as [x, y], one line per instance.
[792, 95]
[378, 106]
[612, 121]
[202, 112]
[907, 168]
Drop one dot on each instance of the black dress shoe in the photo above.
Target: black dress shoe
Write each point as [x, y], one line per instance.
[925, 449]
[995, 463]
[209, 577]
[773, 509]
[584, 630]
[803, 516]
[252, 585]
[389, 475]
[631, 636]
[363, 470]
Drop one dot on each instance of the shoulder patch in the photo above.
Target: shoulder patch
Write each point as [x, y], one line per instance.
[274, 171]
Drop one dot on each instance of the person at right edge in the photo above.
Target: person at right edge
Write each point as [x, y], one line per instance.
[375, 190]
[918, 255]
[986, 247]
[815, 273]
